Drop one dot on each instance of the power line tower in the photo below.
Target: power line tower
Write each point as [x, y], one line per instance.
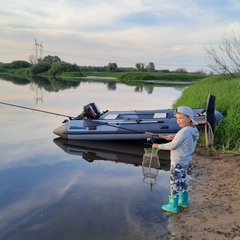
[40, 46]
[41, 50]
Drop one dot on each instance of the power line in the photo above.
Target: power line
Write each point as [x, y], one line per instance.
[124, 61]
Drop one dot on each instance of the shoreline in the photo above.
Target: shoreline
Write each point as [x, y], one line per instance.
[214, 196]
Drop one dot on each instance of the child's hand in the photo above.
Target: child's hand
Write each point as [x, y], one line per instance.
[169, 137]
[155, 146]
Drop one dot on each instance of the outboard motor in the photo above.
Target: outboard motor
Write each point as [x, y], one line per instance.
[90, 111]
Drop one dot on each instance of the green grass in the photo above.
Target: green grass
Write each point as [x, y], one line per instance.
[20, 71]
[179, 77]
[131, 76]
[72, 74]
[103, 74]
[227, 92]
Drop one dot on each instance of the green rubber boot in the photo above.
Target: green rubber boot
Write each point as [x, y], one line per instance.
[172, 205]
[183, 199]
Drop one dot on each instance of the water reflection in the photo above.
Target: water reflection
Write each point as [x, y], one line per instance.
[55, 84]
[128, 152]
[95, 191]
[77, 198]
[15, 79]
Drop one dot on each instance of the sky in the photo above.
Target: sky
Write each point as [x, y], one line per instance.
[170, 33]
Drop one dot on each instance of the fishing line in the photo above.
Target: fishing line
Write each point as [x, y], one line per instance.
[34, 109]
[70, 117]
[58, 114]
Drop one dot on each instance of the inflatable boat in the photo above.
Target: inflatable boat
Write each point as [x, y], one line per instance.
[91, 124]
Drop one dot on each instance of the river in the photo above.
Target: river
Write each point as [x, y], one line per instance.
[52, 191]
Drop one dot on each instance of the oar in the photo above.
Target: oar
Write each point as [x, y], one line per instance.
[34, 109]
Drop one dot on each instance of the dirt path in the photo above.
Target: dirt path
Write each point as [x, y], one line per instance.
[214, 195]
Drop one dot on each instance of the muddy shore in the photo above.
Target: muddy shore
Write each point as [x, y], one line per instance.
[214, 195]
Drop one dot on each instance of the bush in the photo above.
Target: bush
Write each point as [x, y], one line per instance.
[17, 64]
[60, 67]
[39, 68]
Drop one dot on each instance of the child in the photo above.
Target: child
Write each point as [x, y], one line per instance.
[182, 147]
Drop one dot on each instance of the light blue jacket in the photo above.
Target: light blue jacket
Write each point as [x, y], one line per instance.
[182, 146]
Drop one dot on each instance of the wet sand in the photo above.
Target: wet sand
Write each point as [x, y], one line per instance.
[214, 195]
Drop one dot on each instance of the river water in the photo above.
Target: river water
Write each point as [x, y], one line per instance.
[49, 190]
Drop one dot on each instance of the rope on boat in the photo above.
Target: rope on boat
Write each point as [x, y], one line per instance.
[209, 135]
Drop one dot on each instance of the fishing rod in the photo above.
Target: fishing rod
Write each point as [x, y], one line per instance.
[120, 127]
[156, 135]
[132, 130]
[70, 117]
[34, 109]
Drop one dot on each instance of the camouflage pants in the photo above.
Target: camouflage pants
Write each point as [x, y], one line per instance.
[178, 178]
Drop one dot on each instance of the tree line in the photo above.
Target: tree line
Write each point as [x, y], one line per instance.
[53, 65]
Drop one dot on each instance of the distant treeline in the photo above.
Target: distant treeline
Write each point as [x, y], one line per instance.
[53, 65]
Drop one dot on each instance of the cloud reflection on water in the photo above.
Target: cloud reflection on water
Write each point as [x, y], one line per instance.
[45, 191]
[97, 183]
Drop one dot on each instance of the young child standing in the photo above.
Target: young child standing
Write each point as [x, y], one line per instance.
[181, 149]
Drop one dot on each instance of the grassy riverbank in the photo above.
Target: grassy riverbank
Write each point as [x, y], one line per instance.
[227, 101]
[133, 76]
[124, 77]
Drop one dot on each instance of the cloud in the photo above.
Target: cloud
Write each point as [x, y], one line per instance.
[90, 32]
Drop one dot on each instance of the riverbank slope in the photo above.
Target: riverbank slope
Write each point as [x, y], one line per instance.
[214, 195]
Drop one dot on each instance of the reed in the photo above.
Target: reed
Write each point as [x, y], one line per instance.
[227, 94]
